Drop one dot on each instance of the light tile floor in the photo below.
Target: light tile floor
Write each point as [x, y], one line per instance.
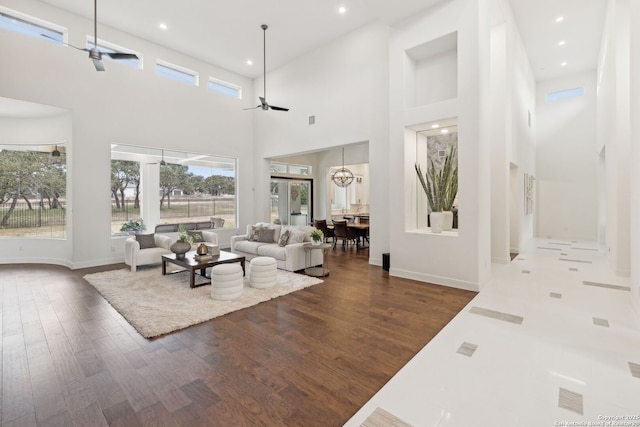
[574, 359]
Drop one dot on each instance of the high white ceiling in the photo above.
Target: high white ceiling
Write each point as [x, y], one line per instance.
[227, 33]
[580, 29]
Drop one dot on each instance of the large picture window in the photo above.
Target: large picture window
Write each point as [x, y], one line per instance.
[173, 187]
[33, 182]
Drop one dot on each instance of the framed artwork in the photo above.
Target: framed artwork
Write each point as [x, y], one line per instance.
[529, 181]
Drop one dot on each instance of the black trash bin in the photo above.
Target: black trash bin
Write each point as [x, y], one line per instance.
[386, 261]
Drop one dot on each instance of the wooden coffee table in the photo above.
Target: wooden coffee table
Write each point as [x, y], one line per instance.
[189, 263]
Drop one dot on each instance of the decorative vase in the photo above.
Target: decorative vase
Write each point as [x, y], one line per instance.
[447, 220]
[202, 249]
[436, 219]
[180, 248]
[316, 242]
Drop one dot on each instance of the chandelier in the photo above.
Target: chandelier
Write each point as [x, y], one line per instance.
[343, 176]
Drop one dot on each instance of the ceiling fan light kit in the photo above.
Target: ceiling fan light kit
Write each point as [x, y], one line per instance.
[264, 105]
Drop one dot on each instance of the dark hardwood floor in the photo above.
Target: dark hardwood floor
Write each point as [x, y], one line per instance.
[310, 358]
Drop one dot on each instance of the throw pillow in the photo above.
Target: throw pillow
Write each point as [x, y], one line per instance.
[266, 235]
[197, 236]
[146, 241]
[297, 236]
[254, 233]
[284, 239]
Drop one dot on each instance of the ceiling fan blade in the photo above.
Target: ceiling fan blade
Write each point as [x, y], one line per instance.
[98, 64]
[120, 55]
[253, 108]
[273, 107]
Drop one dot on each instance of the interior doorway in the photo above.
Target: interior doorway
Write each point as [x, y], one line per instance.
[291, 201]
[514, 210]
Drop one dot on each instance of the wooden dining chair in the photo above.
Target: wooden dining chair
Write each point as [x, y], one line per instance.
[321, 224]
[343, 232]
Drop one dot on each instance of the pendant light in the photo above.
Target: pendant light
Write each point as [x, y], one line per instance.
[343, 176]
[162, 162]
[55, 157]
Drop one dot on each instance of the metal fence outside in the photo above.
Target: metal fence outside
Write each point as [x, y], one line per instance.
[180, 208]
[34, 217]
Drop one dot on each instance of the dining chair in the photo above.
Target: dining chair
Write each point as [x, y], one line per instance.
[321, 224]
[343, 232]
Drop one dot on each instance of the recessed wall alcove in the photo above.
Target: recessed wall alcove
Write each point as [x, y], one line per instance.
[431, 71]
[428, 145]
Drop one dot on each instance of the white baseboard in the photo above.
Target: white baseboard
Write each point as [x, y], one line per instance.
[438, 280]
[97, 263]
[375, 261]
[39, 260]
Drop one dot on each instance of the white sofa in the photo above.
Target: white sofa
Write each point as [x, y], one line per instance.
[290, 257]
[135, 257]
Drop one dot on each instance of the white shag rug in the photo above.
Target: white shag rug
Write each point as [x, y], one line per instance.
[155, 304]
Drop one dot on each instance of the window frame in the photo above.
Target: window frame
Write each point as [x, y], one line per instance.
[564, 94]
[41, 223]
[37, 22]
[160, 63]
[219, 166]
[214, 82]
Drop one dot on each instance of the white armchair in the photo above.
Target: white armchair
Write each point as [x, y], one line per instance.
[134, 256]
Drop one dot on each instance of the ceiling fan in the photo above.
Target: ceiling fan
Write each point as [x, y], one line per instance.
[96, 55]
[263, 99]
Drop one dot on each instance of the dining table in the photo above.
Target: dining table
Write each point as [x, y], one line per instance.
[362, 233]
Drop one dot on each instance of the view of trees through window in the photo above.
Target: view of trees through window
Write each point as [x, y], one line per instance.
[192, 187]
[33, 181]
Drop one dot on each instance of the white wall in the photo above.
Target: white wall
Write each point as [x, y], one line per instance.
[614, 123]
[461, 260]
[121, 105]
[345, 85]
[513, 126]
[566, 160]
[634, 158]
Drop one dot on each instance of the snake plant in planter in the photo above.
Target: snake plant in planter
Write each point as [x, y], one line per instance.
[440, 186]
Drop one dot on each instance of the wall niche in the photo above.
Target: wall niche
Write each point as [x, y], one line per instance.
[431, 71]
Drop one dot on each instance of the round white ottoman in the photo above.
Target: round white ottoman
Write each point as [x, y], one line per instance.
[263, 272]
[226, 281]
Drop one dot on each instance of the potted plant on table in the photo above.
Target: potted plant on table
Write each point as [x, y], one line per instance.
[316, 236]
[133, 226]
[184, 242]
[441, 188]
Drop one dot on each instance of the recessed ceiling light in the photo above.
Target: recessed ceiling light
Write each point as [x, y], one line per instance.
[444, 131]
[564, 64]
[163, 26]
[435, 126]
[342, 10]
[561, 43]
[560, 19]
[249, 62]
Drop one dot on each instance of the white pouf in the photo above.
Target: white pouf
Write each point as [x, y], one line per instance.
[226, 281]
[263, 272]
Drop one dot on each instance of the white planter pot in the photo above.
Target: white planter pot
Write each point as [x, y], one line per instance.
[436, 218]
[447, 221]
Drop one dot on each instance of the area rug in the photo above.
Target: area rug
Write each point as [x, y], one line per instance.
[156, 305]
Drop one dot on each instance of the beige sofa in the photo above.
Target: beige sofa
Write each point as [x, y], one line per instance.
[135, 256]
[290, 257]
